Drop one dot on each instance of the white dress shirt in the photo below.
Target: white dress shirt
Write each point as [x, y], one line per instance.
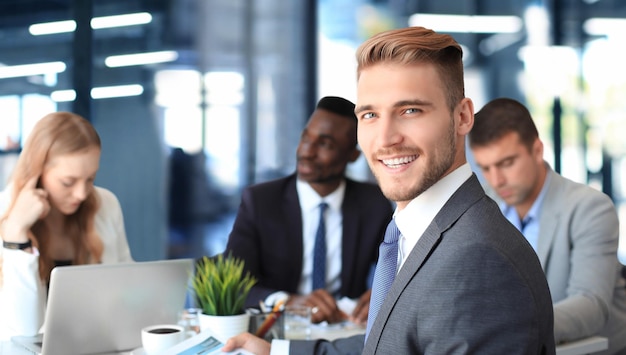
[413, 220]
[309, 206]
[23, 294]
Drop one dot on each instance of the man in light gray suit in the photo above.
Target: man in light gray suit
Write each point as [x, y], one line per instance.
[573, 227]
[467, 281]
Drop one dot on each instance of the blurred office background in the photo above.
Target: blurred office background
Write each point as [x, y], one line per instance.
[195, 99]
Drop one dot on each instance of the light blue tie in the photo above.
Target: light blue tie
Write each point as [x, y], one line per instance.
[319, 252]
[385, 272]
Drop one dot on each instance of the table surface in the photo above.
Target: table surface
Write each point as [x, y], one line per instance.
[7, 347]
[584, 346]
[335, 331]
[579, 347]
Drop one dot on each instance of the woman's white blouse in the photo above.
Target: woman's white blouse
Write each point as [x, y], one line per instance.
[23, 294]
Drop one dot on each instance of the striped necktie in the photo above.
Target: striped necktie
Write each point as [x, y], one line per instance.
[385, 272]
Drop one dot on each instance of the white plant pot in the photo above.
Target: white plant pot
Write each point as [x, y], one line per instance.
[225, 327]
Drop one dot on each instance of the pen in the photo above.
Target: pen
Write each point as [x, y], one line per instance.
[270, 320]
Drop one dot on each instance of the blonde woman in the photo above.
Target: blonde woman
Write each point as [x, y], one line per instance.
[51, 214]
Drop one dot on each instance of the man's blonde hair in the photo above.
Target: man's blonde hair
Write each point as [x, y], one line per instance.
[413, 45]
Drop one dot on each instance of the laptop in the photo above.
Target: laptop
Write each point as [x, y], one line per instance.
[101, 309]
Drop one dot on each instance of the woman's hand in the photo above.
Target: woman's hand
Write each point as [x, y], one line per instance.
[31, 205]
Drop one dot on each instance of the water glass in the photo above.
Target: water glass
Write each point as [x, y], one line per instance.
[298, 322]
[189, 319]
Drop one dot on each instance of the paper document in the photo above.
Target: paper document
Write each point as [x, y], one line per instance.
[202, 344]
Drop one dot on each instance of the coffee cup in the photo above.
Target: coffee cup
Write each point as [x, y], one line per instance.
[157, 338]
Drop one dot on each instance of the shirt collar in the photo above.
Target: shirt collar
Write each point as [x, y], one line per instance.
[429, 202]
[533, 212]
[309, 199]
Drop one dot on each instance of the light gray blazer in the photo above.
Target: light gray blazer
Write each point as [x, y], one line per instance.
[471, 285]
[577, 248]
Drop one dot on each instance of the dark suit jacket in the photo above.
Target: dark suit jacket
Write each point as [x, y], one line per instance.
[471, 285]
[267, 234]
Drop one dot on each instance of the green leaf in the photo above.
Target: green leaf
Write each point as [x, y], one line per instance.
[220, 286]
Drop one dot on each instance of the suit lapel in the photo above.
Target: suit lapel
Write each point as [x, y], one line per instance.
[291, 209]
[550, 217]
[349, 236]
[461, 200]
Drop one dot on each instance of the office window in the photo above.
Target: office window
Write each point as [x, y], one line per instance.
[216, 130]
[19, 114]
[10, 124]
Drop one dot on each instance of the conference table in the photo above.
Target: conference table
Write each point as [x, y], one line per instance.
[580, 347]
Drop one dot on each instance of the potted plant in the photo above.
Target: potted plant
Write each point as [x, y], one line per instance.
[221, 288]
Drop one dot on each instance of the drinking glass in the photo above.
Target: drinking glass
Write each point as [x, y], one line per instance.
[189, 319]
[298, 322]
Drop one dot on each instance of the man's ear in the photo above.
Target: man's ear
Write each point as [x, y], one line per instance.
[466, 113]
[537, 150]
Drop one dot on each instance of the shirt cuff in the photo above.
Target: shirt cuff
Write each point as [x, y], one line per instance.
[17, 253]
[279, 347]
[273, 298]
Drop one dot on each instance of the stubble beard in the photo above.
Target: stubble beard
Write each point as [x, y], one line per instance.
[442, 160]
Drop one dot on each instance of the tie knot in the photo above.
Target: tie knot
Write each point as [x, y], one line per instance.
[323, 207]
[524, 222]
[393, 233]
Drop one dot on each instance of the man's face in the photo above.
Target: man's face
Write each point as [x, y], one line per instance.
[406, 130]
[511, 169]
[326, 146]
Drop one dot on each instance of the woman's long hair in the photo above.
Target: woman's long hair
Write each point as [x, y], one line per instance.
[56, 134]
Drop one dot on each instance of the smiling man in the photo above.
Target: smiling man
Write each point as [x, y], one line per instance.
[467, 282]
[463, 280]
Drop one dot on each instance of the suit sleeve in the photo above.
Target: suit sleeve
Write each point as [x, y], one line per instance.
[345, 346]
[594, 232]
[244, 242]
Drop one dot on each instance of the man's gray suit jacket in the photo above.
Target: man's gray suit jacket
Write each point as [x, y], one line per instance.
[577, 248]
[471, 285]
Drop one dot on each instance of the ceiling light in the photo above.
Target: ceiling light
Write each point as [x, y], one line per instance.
[140, 59]
[467, 23]
[14, 71]
[106, 92]
[604, 26]
[63, 95]
[140, 18]
[46, 28]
